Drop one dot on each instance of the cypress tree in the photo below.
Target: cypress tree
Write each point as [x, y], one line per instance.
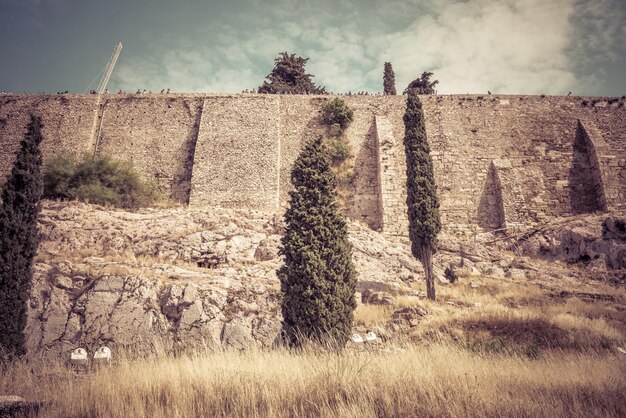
[389, 80]
[318, 279]
[19, 212]
[422, 203]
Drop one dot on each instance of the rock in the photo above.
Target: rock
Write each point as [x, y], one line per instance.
[515, 273]
[237, 334]
[442, 279]
[614, 228]
[267, 249]
[496, 271]
[15, 406]
[378, 298]
[408, 317]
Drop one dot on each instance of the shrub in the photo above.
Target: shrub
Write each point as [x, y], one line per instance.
[338, 150]
[451, 275]
[101, 180]
[337, 112]
[318, 280]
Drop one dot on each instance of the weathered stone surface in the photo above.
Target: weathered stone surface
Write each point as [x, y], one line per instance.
[153, 285]
[597, 241]
[496, 165]
[176, 278]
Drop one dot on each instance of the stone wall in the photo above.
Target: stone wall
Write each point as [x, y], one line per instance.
[157, 134]
[68, 124]
[499, 161]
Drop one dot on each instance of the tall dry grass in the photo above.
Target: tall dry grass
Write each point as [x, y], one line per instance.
[437, 381]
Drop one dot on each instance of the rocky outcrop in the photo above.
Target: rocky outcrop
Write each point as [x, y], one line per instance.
[178, 278]
[596, 241]
[172, 278]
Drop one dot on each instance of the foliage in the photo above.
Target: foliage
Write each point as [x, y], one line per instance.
[389, 80]
[422, 85]
[450, 274]
[337, 112]
[422, 202]
[21, 196]
[100, 180]
[290, 77]
[318, 279]
[338, 150]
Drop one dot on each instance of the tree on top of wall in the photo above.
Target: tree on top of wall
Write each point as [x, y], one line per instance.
[19, 212]
[422, 202]
[389, 80]
[422, 84]
[290, 77]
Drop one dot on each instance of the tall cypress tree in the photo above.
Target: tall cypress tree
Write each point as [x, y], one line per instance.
[422, 202]
[318, 279]
[389, 80]
[19, 212]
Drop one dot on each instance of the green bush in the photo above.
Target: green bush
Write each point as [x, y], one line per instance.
[451, 275]
[337, 112]
[338, 150]
[101, 180]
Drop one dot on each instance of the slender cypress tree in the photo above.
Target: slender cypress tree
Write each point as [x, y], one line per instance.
[19, 212]
[389, 80]
[318, 279]
[422, 203]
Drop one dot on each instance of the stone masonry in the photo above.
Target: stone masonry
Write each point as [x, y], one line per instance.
[500, 161]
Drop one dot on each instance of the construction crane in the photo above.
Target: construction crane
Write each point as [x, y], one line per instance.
[108, 70]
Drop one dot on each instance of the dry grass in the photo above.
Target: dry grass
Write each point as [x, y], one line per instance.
[433, 381]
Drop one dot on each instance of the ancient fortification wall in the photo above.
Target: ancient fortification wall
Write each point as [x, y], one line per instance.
[500, 161]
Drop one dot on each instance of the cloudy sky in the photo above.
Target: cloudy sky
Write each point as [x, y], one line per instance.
[505, 46]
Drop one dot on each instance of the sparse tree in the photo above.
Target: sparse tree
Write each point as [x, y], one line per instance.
[422, 85]
[389, 80]
[19, 212]
[422, 202]
[290, 77]
[318, 279]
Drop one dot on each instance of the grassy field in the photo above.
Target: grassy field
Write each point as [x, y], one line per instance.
[504, 349]
[437, 381]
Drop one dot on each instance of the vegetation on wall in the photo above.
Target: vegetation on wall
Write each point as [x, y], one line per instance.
[318, 279]
[337, 116]
[290, 77]
[337, 112]
[101, 180]
[422, 84]
[21, 195]
[422, 202]
[389, 80]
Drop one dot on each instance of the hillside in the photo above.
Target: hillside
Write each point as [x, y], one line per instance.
[185, 278]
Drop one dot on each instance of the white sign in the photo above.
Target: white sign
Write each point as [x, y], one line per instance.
[370, 336]
[78, 357]
[103, 355]
[356, 338]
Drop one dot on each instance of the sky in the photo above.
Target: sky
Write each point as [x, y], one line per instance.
[472, 46]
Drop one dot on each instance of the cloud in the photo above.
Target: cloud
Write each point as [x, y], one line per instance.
[505, 46]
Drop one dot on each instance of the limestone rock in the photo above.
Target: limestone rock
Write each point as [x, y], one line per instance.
[408, 317]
